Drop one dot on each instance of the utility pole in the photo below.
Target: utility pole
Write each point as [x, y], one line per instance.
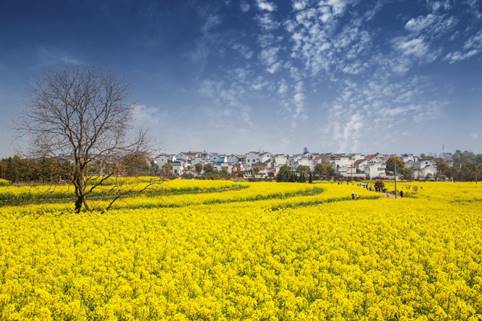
[395, 178]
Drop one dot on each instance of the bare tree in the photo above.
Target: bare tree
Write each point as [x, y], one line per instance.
[81, 114]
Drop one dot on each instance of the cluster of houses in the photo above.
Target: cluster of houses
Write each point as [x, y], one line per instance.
[265, 165]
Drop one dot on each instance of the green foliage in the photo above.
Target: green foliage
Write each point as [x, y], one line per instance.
[466, 166]
[324, 170]
[136, 164]
[166, 170]
[198, 168]
[379, 185]
[208, 168]
[407, 173]
[303, 172]
[18, 169]
[285, 174]
[392, 161]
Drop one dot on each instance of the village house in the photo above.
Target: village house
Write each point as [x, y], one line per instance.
[177, 168]
[304, 160]
[265, 157]
[162, 159]
[424, 169]
[251, 158]
[343, 165]
[375, 169]
[262, 165]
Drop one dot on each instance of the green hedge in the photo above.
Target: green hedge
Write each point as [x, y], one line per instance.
[4, 182]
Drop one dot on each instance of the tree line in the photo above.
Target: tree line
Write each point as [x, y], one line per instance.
[463, 166]
[304, 174]
[460, 166]
[18, 169]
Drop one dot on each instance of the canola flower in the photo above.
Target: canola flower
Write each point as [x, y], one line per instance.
[229, 256]
[24, 194]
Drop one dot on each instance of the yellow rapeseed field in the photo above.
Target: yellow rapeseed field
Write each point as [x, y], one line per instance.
[225, 250]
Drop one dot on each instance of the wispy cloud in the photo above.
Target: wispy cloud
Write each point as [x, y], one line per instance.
[244, 6]
[54, 56]
[372, 72]
[228, 98]
[266, 5]
[471, 47]
[416, 47]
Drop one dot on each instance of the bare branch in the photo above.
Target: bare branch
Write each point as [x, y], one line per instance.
[80, 114]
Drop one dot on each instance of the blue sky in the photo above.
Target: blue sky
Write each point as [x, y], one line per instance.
[239, 75]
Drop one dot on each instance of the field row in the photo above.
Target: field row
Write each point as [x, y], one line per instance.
[266, 251]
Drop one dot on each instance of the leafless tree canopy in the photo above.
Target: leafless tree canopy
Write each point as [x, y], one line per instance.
[81, 114]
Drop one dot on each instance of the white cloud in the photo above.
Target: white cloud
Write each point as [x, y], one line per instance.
[472, 47]
[299, 99]
[412, 46]
[420, 23]
[265, 5]
[243, 50]
[322, 43]
[439, 5]
[282, 87]
[49, 56]
[432, 26]
[150, 119]
[346, 129]
[244, 6]
[204, 43]
[362, 111]
[333, 43]
[299, 4]
[228, 97]
[269, 57]
[337, 6]
[211, 22]
[266, 22]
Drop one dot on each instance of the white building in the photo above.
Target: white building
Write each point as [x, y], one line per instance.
[305, 161]
[177, 168]
[265, 157]
[424, 169]
[342, 161]
[162, 159]
[375, 169]
[280, 160]
[251, 158]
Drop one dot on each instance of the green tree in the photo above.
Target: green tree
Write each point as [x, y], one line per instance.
[390, 165]
[285, 174]
[198, 168]
[324, 170]
[443, 169]
[166, 170]
[208, 168]
[379, 186]
[136, 164]
[407, 173]
[224, 172]
[303, 172]
[155, 169]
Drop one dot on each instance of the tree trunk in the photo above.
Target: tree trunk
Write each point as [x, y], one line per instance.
[78, 203]
[79, 184]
